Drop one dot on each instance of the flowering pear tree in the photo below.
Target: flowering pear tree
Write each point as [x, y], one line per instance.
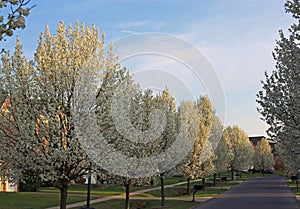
[38, 127]
[279, 99]
[127, 125]
[239, 149]
[14, 12]
[218, 145]
[200, 160]
[263, 157]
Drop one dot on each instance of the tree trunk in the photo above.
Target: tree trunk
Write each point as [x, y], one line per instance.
[162, 184]
[188, 186]
[203, 183]
[63, 195]
[215, 179]
[232, 174]
[127, 186]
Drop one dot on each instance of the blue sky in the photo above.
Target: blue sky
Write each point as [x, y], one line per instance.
[236, 36]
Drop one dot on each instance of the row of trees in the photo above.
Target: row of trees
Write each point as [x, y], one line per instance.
[38, 128]
[236, 153]
[38, 133]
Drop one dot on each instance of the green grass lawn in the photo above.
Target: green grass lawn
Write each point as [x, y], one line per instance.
[107, 190]
[31, 200]
[172, 180]
[104, 190]
[180, 191]
[296, 191]
[28, 200]
[293, 186]
[146, 204]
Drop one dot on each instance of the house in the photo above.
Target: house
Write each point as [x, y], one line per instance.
[255, 139]
[7, 186]
[93, 179]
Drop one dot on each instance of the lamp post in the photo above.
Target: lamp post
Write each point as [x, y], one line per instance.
[162, 189]
[88, 197]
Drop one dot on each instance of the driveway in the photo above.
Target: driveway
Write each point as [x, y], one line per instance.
[256, 193]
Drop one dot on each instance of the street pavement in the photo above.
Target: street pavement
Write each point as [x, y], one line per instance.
[256, 193]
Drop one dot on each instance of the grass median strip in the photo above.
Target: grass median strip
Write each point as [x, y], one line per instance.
[181, 192]
[145, 204]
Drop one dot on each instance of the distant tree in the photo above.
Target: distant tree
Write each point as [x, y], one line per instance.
[207, 156]
[223, 154]
[14, 12]
[221, 149]
[216, 131]
[279, 100]
[166, 102]
[128, 125]
[239, 149]
[199, 162]
[188, 113]
[263, 157]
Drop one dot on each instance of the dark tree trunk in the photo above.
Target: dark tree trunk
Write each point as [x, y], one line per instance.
[127, 186]
[188, 181]
[232, 174]
[215, 179]
[162, 185]
[63, 195]
[203, 183]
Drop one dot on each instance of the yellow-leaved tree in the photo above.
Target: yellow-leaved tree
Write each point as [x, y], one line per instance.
[199, 162]
[239, 149]
[263, 157]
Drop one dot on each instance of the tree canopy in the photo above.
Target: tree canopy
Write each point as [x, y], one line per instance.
[239, 149]
[279, 100]
[38, 127]
[14, 13]
[263, 157]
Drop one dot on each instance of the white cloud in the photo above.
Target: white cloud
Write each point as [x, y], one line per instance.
[133, 24]
[140, 25]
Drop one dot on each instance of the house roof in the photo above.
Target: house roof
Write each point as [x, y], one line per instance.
[255, 139]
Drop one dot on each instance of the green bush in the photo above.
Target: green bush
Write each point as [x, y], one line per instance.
[30, 182]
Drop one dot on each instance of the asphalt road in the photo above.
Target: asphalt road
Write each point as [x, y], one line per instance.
[256, 193]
